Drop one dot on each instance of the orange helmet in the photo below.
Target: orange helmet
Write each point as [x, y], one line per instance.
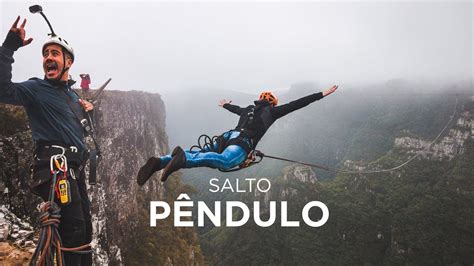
[269, 97]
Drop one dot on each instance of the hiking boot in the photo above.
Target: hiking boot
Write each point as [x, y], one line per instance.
[146, 171]
[177, 162]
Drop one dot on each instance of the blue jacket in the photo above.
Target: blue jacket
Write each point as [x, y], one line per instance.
[50, 116]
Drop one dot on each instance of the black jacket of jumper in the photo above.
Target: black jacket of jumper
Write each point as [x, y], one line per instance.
[256, 119]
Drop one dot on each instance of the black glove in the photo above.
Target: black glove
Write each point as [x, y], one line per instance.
[13, 41]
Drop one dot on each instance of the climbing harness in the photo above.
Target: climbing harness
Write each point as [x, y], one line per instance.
[206, 143]
[217, 144]
[49, 249]
[88, 128]
[254, 157]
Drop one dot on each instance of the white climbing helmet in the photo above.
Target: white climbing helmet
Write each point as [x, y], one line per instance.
[61, 42]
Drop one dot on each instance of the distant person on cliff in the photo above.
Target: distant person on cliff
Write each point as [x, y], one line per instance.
[234, 146]
[53, 109]
[85, 81]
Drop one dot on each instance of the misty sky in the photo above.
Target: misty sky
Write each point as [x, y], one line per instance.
[250, 46]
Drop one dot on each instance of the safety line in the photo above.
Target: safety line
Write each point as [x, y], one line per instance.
[334, 170]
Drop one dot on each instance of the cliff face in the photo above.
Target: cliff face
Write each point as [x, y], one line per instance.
[130, 127]
[448, 147]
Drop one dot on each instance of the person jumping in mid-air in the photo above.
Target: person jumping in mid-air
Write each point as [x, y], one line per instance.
[234, 145]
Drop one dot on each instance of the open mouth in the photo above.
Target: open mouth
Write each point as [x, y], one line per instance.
[51, 68]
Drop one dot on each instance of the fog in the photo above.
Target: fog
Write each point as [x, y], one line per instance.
[249, 46]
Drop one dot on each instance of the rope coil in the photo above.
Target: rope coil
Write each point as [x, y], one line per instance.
[49, 250]
[205, 143]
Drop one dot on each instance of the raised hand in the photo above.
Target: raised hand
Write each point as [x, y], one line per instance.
[330, 90]
[16, 36]
[21, 31]
[224, 101]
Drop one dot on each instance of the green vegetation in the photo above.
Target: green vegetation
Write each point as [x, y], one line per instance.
[419, 215]
[422, 217]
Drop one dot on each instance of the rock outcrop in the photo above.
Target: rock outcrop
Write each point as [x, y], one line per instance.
[448, 147]
[301, 173]
[16, 239]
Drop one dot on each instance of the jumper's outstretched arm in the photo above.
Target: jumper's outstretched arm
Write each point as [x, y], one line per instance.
[330, 90]
[285, 109]
[232, 108]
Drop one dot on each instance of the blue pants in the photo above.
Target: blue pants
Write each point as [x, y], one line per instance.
[231, 157]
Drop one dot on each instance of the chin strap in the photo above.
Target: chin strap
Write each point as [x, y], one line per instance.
[65, 69]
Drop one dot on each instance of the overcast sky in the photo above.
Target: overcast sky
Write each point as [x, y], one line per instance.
[250, 46]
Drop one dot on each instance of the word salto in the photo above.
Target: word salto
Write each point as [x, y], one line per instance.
[262, 185]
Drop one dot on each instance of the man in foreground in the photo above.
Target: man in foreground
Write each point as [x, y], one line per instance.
[54, 112]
